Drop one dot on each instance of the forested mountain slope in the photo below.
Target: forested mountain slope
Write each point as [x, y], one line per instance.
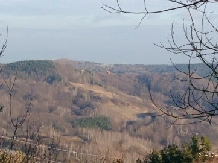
[87, 103]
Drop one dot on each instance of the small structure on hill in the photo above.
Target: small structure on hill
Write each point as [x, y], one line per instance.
[108, 72]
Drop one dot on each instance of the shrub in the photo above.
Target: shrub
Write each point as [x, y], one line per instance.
[101, 122]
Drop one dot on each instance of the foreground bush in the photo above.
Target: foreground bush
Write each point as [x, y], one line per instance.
[194, 151]
[8, 156]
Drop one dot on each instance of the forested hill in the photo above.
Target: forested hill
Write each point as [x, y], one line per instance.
[199, 68]
[87, 103]
[44, 66]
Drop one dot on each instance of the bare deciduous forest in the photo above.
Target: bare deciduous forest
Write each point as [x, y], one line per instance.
[70, 111]
[98, 112]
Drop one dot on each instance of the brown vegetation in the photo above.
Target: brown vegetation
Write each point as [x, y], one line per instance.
[123, 98]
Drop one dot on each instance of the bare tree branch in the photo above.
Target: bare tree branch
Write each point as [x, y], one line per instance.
[199, 102]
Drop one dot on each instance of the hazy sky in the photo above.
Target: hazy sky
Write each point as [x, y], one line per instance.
[81, 30]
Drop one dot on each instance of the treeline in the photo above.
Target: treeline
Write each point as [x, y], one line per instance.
[41, 67]
[200, 69]
[39, 70]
